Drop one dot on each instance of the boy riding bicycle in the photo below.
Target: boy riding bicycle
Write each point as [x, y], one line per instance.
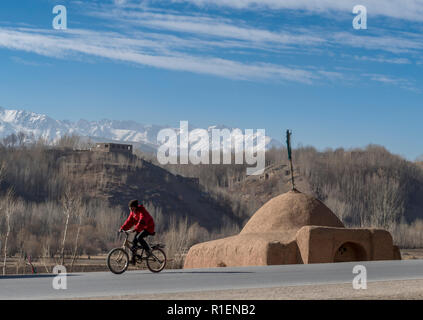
[144, 226]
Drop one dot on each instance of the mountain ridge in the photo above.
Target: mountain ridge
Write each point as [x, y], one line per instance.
[36, 125]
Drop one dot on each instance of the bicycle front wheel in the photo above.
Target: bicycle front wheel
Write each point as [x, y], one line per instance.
[117, 261]
[156, 261]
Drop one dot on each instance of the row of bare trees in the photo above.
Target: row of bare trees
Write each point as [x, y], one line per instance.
[364, 187]
[22, 140]
[54, 230]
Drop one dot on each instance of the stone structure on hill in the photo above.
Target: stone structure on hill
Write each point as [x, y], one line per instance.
[113, 147]
[294, 228]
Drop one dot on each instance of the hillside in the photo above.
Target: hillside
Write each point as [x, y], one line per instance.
[58, 200]
[119, 178]
[116, 179]
[364, 187]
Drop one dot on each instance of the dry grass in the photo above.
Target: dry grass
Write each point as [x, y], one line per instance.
[18, 265]
[408, 235]
[407, 254]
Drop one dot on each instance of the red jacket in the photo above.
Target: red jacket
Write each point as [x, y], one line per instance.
[142, 220]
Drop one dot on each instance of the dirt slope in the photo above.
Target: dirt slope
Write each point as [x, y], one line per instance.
[118, 178]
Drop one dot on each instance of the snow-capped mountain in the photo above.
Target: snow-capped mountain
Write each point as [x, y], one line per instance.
[38, 125]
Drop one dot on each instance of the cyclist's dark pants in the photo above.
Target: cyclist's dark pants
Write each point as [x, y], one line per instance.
[139, 238]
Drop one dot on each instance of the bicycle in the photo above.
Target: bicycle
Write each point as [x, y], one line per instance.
[118, 258]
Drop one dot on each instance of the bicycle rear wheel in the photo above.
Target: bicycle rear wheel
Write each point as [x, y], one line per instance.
[156, 261]
[117, 261]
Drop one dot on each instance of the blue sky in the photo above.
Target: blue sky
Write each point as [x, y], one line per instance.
[269, 64]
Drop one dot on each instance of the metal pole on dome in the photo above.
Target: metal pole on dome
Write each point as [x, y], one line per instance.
[288, 145]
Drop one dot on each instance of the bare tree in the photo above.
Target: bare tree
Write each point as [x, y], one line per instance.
[8, 206]
[21, 138]
[71, 201]
[80, 212]
[10, 140]
[387, 203]
[69, 141]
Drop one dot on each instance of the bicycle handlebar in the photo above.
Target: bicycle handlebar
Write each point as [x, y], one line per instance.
[125, 232]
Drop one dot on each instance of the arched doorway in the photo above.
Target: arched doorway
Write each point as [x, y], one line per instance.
[350, 251]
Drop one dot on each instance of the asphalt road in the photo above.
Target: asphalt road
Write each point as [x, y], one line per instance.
[171, 281]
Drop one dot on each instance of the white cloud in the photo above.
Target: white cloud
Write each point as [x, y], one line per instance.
[26, 62]
[111, 46]
[237, 33]
[399, 9]
[381, 59]
[389, 80]
[399, 43]
[202, 43]
[208, 26]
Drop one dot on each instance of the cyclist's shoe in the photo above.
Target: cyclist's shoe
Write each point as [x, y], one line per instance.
[134, 253]
[133, 262]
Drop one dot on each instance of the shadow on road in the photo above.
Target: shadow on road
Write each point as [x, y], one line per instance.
[211, 272]
[26, 276]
